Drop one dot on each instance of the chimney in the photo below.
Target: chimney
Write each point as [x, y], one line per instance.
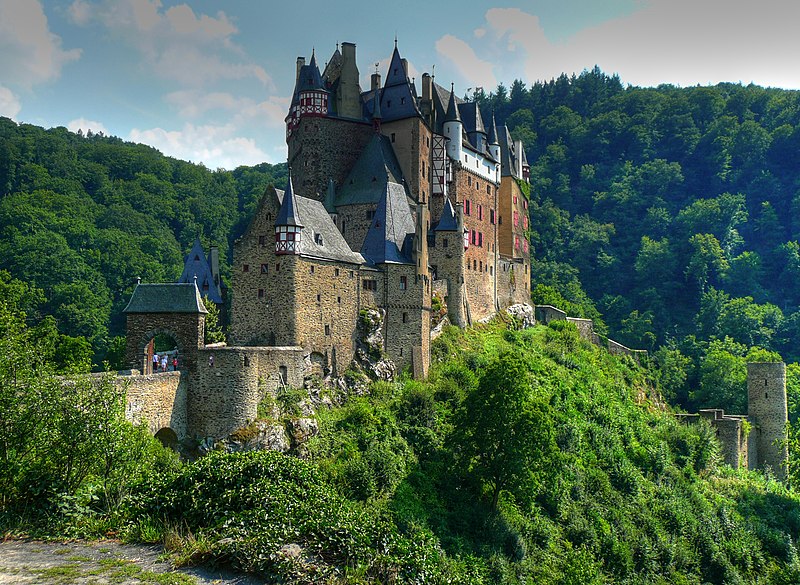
[376, 81]
[214, 261]
[300, 62]
[348, 96]
[426, 86]
[405, 66]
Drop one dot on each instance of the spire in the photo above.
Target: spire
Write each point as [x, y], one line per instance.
[452, 114]
[492, 138]
[448, 222]
[288, 214]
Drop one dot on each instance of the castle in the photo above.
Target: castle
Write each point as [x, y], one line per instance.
[394, 197]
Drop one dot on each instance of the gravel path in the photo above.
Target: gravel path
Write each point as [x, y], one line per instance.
[100, 562]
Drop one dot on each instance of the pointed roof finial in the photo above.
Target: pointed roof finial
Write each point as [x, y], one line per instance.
[452, 114]
[395, 39]
[492, 138]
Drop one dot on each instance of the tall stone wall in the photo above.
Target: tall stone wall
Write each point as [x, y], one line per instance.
[513, 282]
[446, 257]
[263, 283]
[325, 148]
[730, 430]
[354, 222]
[411, 142]
[157, 400]
[767, 408]
[327, 305]
[407, 321]
[512, 220]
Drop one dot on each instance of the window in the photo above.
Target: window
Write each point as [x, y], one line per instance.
[370, 284]
[469, 181]
[389, 102]
[264, 268]
[277, 267]
[327, 329]
[319, 298]
[444, 242]
[351, 274]
[480, 265]
[393, 136]
[261, 293]
[480, 212]
[474, 264]
[318, 239]
[516, 219]
[467, 207]
[525, 246]
[477, 186]
[245, 268]
[491, 216]
[312, 270]
[403, 283]
[405, 317]
[491, 270]
[489, 189]
[515, 199]
[480, 239]
[465, 159]
[339, 300]
[336, 272]
[370, 214]
[525, 221]
[262, 241]
[516, 242]
[525, 203]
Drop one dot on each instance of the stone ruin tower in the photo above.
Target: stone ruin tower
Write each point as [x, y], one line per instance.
[767, 411]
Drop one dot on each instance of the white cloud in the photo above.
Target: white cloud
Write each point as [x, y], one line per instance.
[684, 42]
[86, 125]
[475, 70]
[80, 12]
[242, 112]
[178, 44]
[9, 103]
[31, 54]
[214, 146]
[479, 33]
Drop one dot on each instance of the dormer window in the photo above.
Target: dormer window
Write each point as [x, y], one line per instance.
[402, 101]
[318, 239]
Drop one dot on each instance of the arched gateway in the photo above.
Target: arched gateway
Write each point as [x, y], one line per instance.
[172, 309]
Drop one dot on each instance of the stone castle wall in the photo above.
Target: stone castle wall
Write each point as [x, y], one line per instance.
[157, 400]
[446, 257]
[408, 317]
[186, 329]
[513, 282]
[730, 430]
[411, 142]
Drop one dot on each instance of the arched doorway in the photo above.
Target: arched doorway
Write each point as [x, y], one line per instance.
[161, 352]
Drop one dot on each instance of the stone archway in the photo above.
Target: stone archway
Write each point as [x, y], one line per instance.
[167, 437]
[145, 349]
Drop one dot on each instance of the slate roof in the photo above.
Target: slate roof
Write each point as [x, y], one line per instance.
[376, 166]
[492, 137]
[309, 78]
[471, 117]
[389, 237]
[452, 115]
[448, 222]
[508, 156]
[165, 298]
[317, 221]
[197, 265]
[399, 95]
[289, 212]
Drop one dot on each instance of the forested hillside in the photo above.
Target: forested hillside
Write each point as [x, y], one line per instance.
[81, 217]
[672, 212]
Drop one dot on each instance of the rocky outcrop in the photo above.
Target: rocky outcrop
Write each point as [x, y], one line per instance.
[523, 314]
[369, 357]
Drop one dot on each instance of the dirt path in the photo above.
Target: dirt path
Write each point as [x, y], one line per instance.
[103, 562]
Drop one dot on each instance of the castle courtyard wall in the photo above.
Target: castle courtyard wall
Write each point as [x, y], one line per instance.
[157, 400]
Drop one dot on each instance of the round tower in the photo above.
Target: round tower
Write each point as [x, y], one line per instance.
[453, 128]
[767, 410]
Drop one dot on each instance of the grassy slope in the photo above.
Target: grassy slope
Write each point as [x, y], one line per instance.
[617, 491]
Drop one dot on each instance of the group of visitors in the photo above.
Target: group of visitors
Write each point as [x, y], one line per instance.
[163, 363]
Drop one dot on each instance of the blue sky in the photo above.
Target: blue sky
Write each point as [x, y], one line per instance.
[210, 81]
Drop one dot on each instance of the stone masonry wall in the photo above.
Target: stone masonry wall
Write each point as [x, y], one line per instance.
[327, 305]
[354, 222]
[325, 148]
[263, 283]
[157, 400]
[513, 283]
[407, 317]
[511, 236]
[446, 257]
[730, 431]
[767, 408]
[411, 144]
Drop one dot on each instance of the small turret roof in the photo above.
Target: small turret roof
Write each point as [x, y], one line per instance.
[166, 298]
[398, 98]
[448, 222]
[196, 265]
[508, 155]
[492, 137]
[309, 78]
[452, 114]
[471, 117]
[289, 211]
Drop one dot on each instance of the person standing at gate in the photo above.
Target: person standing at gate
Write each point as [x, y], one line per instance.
[164, 363]
[155, 363]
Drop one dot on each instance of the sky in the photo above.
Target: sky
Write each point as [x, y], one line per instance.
[210, 81]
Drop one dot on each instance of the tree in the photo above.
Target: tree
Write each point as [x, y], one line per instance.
[501, 428]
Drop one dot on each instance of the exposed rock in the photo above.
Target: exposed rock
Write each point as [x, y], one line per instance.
[292, 550]
[259, 436]
[523, 314]
[302, 429]
[369, 357]
[437, 331]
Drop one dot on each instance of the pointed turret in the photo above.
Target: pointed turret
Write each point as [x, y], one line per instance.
[288, 225]
[494, 142]
[399, 96]
[453, 128]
